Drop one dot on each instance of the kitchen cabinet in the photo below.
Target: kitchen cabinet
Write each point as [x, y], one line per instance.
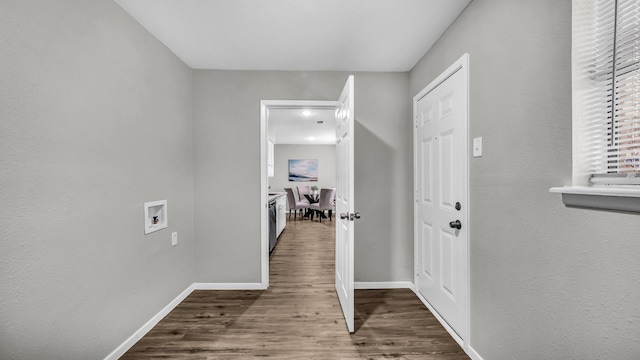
[277, 217]
[281, 214]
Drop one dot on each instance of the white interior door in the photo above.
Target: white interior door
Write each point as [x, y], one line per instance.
[441, 197]
[344, 202]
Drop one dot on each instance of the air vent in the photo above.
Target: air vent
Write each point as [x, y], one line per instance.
[320, 122]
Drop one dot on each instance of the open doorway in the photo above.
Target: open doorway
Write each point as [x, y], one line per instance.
[287, 126]
[345, 205]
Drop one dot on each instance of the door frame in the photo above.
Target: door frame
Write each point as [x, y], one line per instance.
[265, 105]
[462, 64]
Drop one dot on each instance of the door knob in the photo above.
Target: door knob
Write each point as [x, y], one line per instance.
[350, 216]
[455, 224]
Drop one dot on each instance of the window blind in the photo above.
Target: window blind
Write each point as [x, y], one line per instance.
[612, 106]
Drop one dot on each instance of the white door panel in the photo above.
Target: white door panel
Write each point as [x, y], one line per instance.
[344, 202]
[441, 183]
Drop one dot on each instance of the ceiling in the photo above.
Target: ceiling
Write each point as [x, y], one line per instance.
[297, 35]
[295, 126]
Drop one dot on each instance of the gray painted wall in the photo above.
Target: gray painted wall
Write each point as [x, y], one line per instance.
[88, 95]
[227, 168]
[547, 282]
[95, 119]
[325, 154]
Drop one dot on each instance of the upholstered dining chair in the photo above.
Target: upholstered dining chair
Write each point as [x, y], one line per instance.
[295, 204]
[325, 203]
[304, 190]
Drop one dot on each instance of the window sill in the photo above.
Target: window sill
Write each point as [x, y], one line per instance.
[609, 198]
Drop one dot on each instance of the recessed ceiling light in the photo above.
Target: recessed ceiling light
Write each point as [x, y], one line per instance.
[306, 113]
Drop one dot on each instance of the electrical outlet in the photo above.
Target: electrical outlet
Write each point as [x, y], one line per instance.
[174, 238]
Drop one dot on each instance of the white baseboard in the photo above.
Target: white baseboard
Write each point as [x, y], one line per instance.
[473, 354]
[228, 286]
[127, 344]
[372, 285]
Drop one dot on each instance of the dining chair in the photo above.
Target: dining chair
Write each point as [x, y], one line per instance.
[304, 194]
[294, 203]
[325, 203]
[304, 190]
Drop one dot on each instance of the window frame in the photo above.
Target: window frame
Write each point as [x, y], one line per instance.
[618, 191]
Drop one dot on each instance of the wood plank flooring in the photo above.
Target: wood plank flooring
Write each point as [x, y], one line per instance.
[299, 316]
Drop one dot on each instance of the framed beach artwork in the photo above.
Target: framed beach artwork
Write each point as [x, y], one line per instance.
[303, 170]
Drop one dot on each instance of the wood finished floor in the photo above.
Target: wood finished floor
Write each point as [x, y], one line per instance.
[299, 316]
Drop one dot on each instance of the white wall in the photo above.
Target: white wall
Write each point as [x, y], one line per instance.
[325, 154]
[547, 282]
[227, 168]
[95, 119]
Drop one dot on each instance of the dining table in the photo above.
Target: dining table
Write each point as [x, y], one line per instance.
[315, 198]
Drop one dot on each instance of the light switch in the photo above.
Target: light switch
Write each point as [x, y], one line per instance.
[174, 238]
[477, 147]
